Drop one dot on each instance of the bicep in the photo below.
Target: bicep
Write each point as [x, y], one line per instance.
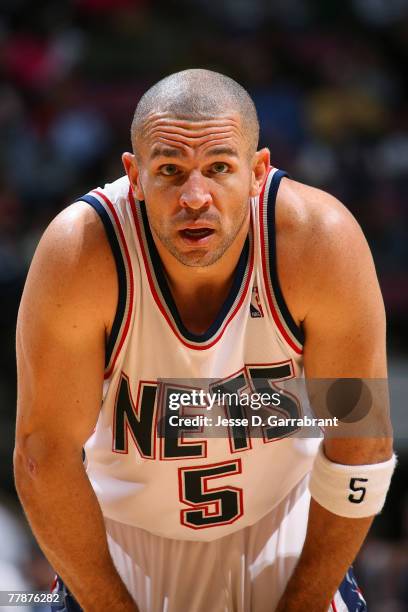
[345, 325]
[345, 339]
[60, 341]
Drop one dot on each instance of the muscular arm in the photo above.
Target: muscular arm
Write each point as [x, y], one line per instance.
[67, 304]
[344, 325]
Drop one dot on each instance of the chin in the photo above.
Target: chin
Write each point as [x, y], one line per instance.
[198, 260]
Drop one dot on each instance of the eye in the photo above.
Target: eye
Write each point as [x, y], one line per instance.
[220, 168]
[168, 170]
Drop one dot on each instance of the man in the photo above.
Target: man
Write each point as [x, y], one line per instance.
[156, 276]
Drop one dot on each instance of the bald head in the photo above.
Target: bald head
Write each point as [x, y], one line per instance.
[197, 95]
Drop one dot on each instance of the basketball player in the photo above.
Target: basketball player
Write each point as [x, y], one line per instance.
[202, 262]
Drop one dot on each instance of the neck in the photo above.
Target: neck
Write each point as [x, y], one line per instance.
[208, 281]
[198, 292]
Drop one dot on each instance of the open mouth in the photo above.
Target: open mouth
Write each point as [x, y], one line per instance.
[196, 235]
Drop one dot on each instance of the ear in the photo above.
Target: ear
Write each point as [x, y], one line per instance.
[132, 170]
[260, 166]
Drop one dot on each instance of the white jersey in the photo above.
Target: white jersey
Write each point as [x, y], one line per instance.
[201, 487]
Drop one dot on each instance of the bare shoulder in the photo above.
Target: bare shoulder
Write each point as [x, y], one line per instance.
[76, 233]
[73, 265]
[306, 211]
[319, 242]
[67, 305]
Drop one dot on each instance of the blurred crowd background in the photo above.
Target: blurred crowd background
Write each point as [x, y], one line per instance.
[329, 82]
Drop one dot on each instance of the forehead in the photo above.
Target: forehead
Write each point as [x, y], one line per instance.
[162, 133]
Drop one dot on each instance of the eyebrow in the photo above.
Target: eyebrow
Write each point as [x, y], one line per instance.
[161, 151]
[222, 150]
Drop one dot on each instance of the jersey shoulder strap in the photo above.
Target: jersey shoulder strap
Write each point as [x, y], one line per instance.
[284, 321]
[110, 203]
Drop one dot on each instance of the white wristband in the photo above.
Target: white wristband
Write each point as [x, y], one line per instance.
[354, 491]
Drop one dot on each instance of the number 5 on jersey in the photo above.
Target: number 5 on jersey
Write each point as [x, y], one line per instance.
[211, 506]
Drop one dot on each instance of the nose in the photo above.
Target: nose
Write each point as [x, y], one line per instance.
[195, 194]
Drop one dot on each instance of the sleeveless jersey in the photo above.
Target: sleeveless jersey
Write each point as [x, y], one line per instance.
[199, 487]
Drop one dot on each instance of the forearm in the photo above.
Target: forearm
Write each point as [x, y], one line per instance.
[331, 545]
[333, 541]
[67, 521]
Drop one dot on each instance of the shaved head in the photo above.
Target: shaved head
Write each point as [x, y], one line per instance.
[197, 95]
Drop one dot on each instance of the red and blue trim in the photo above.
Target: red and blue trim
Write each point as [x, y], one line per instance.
[109, 217]
[285, 323]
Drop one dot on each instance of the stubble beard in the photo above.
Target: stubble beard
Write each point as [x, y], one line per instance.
[200, 258]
